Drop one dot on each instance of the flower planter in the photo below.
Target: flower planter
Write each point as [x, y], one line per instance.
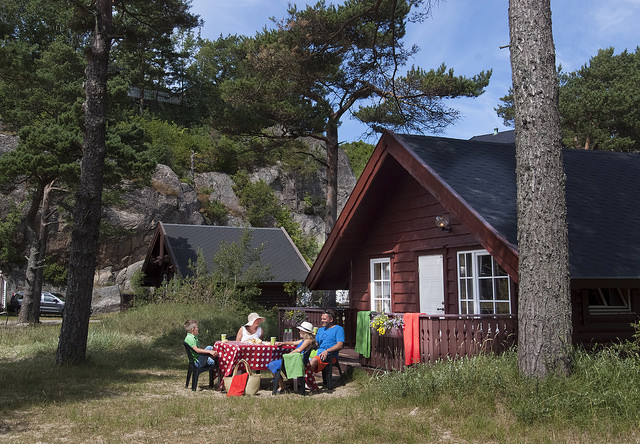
[390, 333]
[394, 333]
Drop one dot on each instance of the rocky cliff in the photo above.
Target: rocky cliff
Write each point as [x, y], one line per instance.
[129, 223]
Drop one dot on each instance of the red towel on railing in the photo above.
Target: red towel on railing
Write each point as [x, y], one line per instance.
[411, 338]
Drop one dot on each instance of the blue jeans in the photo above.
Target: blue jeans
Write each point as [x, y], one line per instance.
[205, 360]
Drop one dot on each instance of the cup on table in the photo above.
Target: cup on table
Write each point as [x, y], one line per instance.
[273, 340]
[223, 337]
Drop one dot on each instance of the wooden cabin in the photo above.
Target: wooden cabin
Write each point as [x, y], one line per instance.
[175, 246]
[431, 227]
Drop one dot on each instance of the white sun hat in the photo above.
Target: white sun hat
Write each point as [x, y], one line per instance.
[306, 327]
[252, 318]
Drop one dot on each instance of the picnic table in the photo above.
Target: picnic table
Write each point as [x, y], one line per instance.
[257, 355]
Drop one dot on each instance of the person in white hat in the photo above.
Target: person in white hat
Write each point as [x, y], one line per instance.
[307, 338]
[252, 329]
[304, 345]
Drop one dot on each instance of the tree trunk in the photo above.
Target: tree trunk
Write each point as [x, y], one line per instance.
[544, 306]
[331, 214]
[84, 237]
[30, 308]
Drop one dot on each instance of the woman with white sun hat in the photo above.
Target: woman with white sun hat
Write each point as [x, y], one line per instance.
[251, 330]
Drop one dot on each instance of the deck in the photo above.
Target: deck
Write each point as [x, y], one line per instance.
[440, 337]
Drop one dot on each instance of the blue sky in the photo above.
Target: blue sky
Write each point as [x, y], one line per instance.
[466, 35]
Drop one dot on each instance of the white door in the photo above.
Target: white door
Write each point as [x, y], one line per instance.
[430, 274]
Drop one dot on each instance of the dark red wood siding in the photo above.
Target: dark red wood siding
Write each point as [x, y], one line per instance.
[403, 230]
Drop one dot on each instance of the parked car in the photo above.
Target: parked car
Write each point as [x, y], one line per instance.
[49, 303]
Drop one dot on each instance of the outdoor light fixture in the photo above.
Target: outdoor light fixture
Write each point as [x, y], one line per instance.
[442, 222]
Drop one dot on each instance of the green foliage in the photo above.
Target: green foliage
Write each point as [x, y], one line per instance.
[10, 239]
[505, 110]
[293, 289]
[54, 272]
[296, 316]
[214, 210]
[358, 154]
[141, 295]
[258, 199]
[171, 144]
[108, 230]
[421, 95]
[598, 103]
[301, 78]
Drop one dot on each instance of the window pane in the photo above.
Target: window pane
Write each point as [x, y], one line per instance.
[595, 298]
[377, 272]
[613, 297]
[486, 307]
[471, 309]
[502, 307]
[469, 264]
[386, 306]
[485, 289]
[386, 271]
[463, 308]
[470, 288]
[379, 307]
[377, 290]
[462, 271]
[502, 289]
[484, 265]
[498, 270]
[386, 289]
[463, 290]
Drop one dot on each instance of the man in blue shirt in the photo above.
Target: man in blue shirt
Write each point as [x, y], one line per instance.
[330, 339]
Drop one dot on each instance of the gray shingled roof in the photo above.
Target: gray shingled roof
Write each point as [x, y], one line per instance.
[508, 136]
[279, 253]
[603, 209]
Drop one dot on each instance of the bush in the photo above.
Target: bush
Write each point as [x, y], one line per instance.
[54, 272]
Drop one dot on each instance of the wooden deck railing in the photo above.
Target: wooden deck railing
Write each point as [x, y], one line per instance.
[441, 336]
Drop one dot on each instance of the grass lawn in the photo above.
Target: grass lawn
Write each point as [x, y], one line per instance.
[132, 390]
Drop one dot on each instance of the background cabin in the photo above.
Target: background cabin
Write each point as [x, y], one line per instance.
[174, 246]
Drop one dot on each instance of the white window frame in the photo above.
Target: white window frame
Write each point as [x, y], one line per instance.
[469, 284]
[380, 289]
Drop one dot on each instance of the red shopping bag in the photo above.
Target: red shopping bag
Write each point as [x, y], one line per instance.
[238, 383]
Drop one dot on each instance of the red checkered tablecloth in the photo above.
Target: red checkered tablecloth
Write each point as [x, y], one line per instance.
[258, 356]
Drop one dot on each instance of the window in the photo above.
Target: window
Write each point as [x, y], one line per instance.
[483, 285]
[381, 285]
[609, 300]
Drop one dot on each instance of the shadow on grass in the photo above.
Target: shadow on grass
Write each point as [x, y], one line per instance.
[37, 380]
[121, 358]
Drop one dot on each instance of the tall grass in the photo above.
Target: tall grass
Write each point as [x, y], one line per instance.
[602, 392]
[136, 361]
